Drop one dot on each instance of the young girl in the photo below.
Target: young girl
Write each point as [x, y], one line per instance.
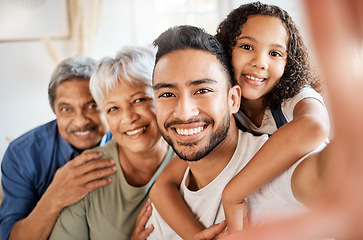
[271, 65]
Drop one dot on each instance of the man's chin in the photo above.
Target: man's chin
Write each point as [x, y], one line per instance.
[83, 145]
[191, 156]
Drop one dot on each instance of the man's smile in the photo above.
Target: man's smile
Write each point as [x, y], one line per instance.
[189, 131]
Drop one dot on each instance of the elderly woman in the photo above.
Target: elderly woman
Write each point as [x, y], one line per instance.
[122, 89]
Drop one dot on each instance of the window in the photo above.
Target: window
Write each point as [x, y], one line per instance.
[200, 13]
[151, 18]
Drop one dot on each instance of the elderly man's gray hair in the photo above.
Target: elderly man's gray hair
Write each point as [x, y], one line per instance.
[75, 68]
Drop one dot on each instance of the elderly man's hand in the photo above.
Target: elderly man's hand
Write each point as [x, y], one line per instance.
[78, 177]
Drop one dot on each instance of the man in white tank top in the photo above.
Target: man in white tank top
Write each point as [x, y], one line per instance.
[195, 102]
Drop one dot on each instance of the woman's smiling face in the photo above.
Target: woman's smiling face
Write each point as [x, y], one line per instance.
[130, 113]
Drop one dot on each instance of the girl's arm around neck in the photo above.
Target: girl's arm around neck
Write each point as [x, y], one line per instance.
[308, 129]
[311, 180]
[166, 197]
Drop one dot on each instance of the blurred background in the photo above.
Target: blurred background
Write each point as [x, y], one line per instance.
[35, 35]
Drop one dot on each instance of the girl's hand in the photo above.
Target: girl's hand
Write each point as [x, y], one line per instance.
[216, 231]
[237, 218]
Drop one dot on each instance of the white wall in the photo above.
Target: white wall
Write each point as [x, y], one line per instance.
[25, 67]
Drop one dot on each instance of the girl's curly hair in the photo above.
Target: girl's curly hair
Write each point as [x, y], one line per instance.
[298, 71]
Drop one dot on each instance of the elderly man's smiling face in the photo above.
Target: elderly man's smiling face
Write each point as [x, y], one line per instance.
[78, 117]
[192, 102]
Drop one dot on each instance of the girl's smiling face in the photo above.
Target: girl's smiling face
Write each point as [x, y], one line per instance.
[259, 56]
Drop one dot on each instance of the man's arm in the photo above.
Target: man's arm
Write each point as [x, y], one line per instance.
[71, 183]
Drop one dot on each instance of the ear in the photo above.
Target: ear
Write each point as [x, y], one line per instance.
[234, 98]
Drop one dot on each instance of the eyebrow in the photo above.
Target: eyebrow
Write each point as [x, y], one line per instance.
[189, 83]
[61, 105]
[142, 92]
[254, 40]
[248, 38]
[202, 81]
[68, 104]
[163, 85]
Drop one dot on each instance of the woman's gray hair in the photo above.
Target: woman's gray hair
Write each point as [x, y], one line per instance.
[75, 68]
[131, 64]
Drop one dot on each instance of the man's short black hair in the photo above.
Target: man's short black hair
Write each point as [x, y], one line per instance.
[190, 37]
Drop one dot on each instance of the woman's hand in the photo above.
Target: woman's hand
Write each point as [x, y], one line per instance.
[140, 232]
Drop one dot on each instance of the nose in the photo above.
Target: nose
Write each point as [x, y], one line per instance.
[129, 116]
[186, 109]
[260, 60]
[80, 119]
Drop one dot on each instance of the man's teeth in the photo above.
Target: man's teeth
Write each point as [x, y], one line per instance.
[135, 131]
[189, 131]
[82, 133]
[254, 78]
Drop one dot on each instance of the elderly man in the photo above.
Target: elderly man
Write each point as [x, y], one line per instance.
[38, 177]
[195, 101]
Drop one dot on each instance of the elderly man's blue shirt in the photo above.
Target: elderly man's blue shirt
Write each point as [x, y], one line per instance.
[28, 167]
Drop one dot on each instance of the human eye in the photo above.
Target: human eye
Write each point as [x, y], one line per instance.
[246, 47]
[139, 100]
[92, 106]
[166, 95]
[111, 109]
[65, 109]
[276, 54]
[203, 90]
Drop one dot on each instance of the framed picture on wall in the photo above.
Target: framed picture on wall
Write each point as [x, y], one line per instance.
[29, 20]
